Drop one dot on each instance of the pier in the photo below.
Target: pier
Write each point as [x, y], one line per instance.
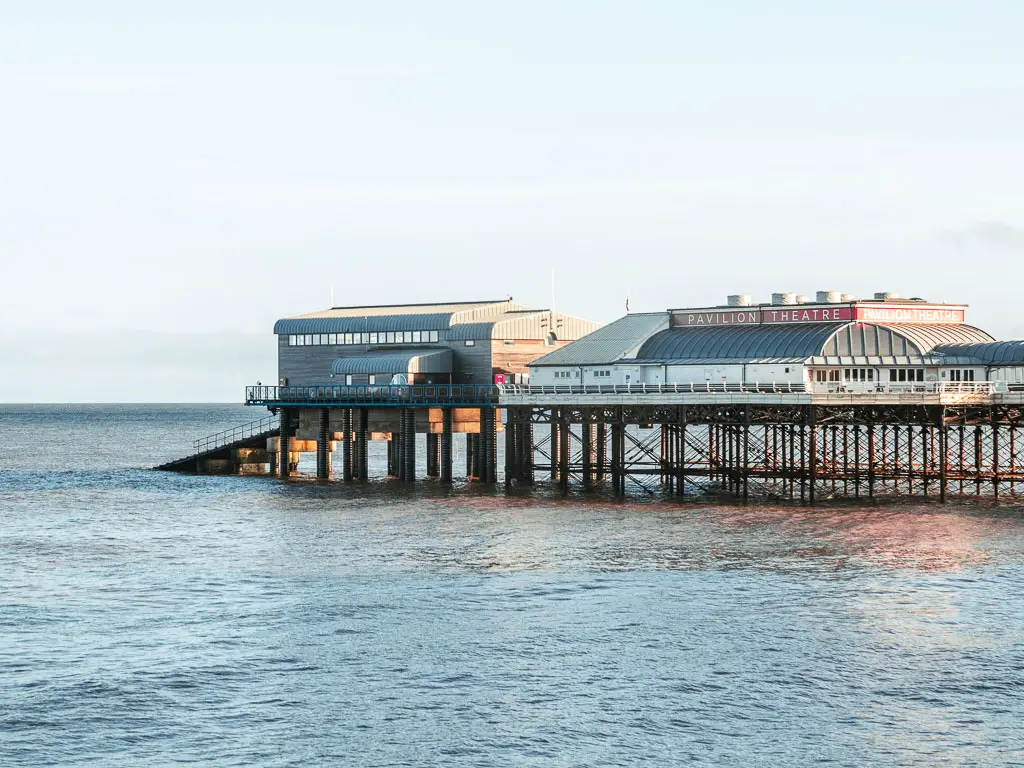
[839, 398]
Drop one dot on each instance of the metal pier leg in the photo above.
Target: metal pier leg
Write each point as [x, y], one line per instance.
[588, 452]
[446, 445]
[391, 455]
[602, 450]
[995, 456]
[432, 451]
[346, 444]
[563, 451]
[471, 455]
[528, 447]
[871, 460]
[555, 442]
[617, 458]
[323, 445]
[943, 454]
[361, 455]
[511, 448]
[409, 459]
[284, 459]
[746, 454]
[681, 459]
[489, 422]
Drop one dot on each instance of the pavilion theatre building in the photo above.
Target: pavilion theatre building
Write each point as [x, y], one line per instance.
[836, 343]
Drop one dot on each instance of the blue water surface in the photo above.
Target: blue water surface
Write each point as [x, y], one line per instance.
[159, 619]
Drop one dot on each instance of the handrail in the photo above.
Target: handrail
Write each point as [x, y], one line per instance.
[847, 388]
[380, 394]
[241, 432]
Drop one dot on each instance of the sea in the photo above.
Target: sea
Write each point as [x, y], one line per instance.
[157, 619]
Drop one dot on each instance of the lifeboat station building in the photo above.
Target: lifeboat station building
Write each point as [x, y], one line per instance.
[478, 342]
[361, 374]
[836, 343]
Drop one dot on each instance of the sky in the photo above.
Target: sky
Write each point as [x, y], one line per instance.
[176, 176]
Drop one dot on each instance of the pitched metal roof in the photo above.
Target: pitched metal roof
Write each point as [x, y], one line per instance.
[607, 344]
[432, 321]
[399, 361]
[991, 353]
[523, 324]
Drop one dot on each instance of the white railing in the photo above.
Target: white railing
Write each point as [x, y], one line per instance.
[847, 388]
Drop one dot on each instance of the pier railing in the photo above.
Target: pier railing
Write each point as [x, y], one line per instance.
[233, 435]
[932, 387]
[372, 394]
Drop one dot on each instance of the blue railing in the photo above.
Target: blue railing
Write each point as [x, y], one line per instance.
[383, 395]
[228, 436]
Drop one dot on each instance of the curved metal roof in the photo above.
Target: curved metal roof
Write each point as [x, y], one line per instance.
[801, 341]
[991, 353]
[927, 337]
[739, 342]
[477, 331]
[433, 321]
[405, 361]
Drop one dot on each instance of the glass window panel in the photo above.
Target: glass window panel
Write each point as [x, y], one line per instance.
[309, 340]
[416, 336]
[366, 338]
[348, 338]
[291, 340]
[373, 338]
[434, 336]
[470, 342]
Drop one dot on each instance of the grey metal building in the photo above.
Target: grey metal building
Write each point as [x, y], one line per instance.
[476, 342]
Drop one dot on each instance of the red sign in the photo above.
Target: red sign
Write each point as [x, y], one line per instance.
[930, 315]
[499, 378]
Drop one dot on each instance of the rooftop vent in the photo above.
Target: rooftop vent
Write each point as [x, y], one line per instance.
[886, 295]
[740, 300]
[849, 297]
[829, 297]
[783, 298]
[803, 299]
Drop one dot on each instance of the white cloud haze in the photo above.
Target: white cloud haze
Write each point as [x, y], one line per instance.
[193, 174]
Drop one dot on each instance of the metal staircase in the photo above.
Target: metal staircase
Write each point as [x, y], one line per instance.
[221, 444]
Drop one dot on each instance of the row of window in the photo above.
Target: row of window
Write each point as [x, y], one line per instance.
[896, 375]
[390, 337]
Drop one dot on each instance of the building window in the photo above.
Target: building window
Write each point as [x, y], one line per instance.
[434, 336]
[470, 342]
[348, 379]
[966, 374]
[373, 338]
[416, 337]
[291, 341]
[859, 374]
[906, 374]
[309, 340]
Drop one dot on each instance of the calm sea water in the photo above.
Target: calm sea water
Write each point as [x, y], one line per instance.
[157, 619]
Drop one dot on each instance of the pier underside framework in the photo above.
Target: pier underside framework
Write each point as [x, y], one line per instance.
[801, 453]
